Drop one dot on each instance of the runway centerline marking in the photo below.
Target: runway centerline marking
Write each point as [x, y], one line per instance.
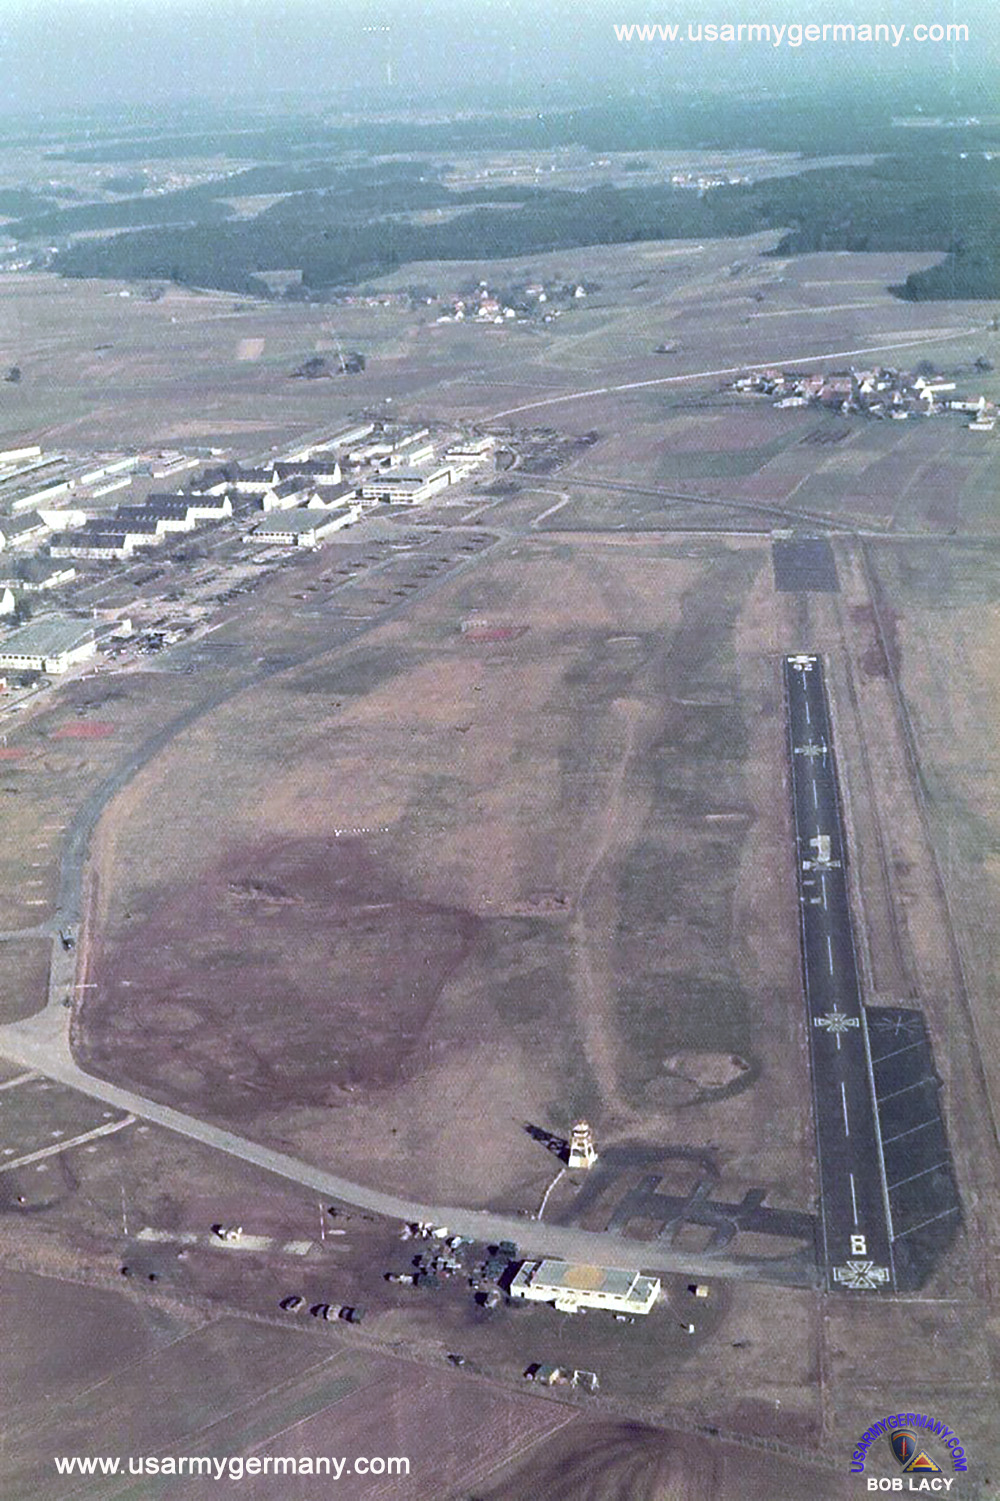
[815, 796]
[854, 1199]
[843, 1101]
[829, 952]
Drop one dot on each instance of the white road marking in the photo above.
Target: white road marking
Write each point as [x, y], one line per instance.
[829, 952]
[20, 1079]
[885, 1142]
[943, 1215]
[64, 1146]
[843, 1101]
[914, 1176]
[854, 1199]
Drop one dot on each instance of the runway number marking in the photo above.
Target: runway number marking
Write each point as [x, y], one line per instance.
[859, 1245]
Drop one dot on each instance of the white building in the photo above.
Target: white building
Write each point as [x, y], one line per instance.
[329, 497]
[572, 1287]
[53, 643]
[17, 530]
[303, 528]
[404, 486]
[35, 574]
[472, 448]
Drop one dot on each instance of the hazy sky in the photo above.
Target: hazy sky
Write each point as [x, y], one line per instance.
[80, 52]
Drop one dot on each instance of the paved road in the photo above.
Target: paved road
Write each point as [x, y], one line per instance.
[856, 1246]
[779, 361]
[41, 1043]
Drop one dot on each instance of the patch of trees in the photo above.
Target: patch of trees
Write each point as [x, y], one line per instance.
[17, 201]
[318, 367]
[968, 271]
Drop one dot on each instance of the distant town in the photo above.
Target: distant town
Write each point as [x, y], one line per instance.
[878, 393]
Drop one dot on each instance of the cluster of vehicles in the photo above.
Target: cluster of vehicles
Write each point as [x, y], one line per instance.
[329, 1312]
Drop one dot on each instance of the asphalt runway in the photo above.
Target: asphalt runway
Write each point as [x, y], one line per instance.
[855, 1223]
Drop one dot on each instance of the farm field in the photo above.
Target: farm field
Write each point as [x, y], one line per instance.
[167, 1382]
[177, 370]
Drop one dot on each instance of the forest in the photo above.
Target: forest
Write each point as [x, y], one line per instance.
[345, 217]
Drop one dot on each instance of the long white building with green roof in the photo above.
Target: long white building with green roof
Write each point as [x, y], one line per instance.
[52, 643]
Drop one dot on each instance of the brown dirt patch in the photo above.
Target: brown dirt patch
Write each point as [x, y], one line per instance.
[355, 963]
[84, 729]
